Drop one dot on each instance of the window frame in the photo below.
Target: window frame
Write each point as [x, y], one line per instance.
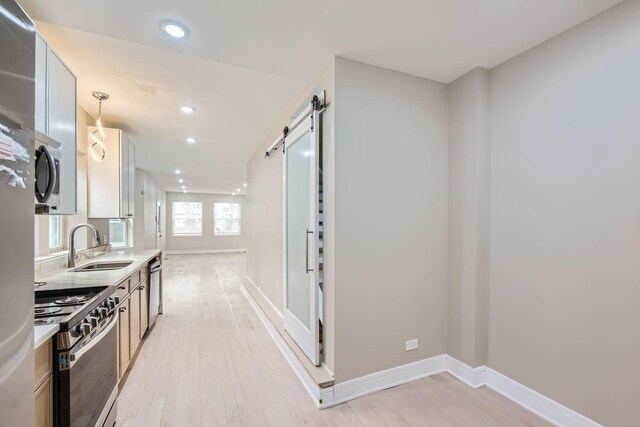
[60, 246]
[125, 224]
[239, 233]
[173, 218]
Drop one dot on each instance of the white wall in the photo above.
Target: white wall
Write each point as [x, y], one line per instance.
[565, 218]
[469, 145]
[208, 241]
[391, 132]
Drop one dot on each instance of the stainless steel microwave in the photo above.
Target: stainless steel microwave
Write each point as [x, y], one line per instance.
[47, 174]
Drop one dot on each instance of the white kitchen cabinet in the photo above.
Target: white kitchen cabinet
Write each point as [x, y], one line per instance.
[56, 117]
[41, 85]
[111, 181]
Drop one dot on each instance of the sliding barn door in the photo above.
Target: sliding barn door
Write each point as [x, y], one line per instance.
[301, 237]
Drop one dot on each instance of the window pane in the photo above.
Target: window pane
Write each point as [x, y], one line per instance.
[187, 218]
[226, 218]
[118, 232]
[55, 232]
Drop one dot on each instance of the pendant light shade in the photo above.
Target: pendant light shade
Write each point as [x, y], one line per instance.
[97, 149]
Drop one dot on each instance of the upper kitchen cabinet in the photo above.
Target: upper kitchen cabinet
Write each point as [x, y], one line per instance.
[56, 117]
[111, 181]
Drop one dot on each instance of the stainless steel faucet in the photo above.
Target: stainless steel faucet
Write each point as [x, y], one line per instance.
[72, 243]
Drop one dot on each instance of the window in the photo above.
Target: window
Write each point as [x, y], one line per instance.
[55, 232]
[226, 217]
[187, 218]
[118, 232]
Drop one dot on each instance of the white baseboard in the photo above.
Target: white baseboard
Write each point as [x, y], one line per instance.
[547, 409]
[542, 406]
[357, 387]
[204, 251]
[262, 293]
[473, 377]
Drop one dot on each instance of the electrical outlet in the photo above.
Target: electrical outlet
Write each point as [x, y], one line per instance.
[411, 345]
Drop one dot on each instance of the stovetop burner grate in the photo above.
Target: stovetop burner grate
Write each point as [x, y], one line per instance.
[45, 321]
[44, 311]
[72, 300]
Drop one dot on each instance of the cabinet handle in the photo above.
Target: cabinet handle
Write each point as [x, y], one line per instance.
[142, 288]
[122, 287]
[123, 309]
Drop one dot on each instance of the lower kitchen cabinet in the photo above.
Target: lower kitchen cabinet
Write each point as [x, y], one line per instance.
[123, 338]
[44, 404]
[134, 322]
[144, 308]
[133, 317]
[43, 385]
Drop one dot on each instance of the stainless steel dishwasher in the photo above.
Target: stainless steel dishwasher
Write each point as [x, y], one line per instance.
[155, 297]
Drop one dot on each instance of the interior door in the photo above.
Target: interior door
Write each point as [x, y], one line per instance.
[301, 288]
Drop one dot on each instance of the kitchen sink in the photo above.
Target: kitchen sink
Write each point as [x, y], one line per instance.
[103, 266]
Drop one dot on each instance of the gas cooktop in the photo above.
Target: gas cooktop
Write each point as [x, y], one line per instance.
[68, 306]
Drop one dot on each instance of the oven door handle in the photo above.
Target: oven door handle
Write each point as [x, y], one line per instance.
[74, 357]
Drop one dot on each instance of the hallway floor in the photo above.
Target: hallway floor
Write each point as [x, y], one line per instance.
[210, 362]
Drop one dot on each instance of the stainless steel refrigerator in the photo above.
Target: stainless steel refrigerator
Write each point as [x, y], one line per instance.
[17, 98]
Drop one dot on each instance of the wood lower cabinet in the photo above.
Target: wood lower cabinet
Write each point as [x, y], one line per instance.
[144, 308]
[43, 385]
[134, 322]
[44, 404]
[123, 337]
[133, 317]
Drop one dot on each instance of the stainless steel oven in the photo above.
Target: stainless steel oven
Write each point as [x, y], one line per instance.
[86, 375]
[47, 174]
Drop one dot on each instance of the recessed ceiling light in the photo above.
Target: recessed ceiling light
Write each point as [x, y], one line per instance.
[184, 191]
[183, 187]
[181, 181]
[174, 29]
[244, 185]
[233, 194]
[187, 109]
[191, 140]
[238, 190]
[177, 171]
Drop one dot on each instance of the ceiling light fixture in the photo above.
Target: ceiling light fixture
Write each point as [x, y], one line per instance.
[233, 194]
[183, 187]
[187, 109]
[181, 181]
[238, 190]
[244, 185]
[98, 150]
[177, 171]
[174, 29]
[184, 191]
[191, 140]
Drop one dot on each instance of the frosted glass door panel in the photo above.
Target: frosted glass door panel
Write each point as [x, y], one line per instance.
[298, 184]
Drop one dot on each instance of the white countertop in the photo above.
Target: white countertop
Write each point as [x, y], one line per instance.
[42, 333]
[67, 278]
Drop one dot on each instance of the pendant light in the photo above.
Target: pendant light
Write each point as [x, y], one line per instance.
[97, 149]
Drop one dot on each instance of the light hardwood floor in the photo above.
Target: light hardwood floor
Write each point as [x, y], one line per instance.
[210, 362]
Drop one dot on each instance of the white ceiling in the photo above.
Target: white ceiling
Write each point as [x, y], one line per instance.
[270, 48]
[236, 108]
